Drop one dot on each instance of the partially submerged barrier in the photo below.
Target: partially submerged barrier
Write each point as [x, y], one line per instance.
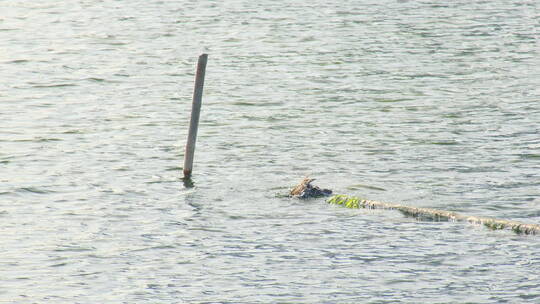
[434, 214]
[423, 213]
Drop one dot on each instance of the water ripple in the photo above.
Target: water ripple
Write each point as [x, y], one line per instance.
[427, 104]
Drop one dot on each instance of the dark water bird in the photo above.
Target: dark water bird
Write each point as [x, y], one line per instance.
[306, 190]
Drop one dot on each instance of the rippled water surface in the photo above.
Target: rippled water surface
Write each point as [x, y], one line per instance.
[425, 103]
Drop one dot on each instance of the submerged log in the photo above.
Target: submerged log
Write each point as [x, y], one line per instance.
[306, 190]
[434, 214]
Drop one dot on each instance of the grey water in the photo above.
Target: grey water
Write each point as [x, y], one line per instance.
[426, 103]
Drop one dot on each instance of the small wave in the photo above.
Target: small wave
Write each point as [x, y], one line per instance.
[39, 139]
[69, 248]
[444, 142]
[530, 156]
[392, 99]
[73, 132]
[58, 265]
[59, 85]
[360, 186]
[153, 248]
[95, 79]
[18, 61]
[100, 80]
[33, 190]
[245, 103]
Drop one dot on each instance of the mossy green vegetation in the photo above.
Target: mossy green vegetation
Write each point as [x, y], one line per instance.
[494, 225]
[346, 201]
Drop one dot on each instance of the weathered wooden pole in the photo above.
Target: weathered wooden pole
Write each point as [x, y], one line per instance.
[195, 114]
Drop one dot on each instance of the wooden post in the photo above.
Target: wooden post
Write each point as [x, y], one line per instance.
[195, 113]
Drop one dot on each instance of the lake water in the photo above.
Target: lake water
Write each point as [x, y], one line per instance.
[425, 103]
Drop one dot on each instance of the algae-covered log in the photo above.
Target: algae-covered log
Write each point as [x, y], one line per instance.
[434, 214]
[306, 190]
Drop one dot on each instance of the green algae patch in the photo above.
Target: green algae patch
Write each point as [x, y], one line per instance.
[346, 201]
